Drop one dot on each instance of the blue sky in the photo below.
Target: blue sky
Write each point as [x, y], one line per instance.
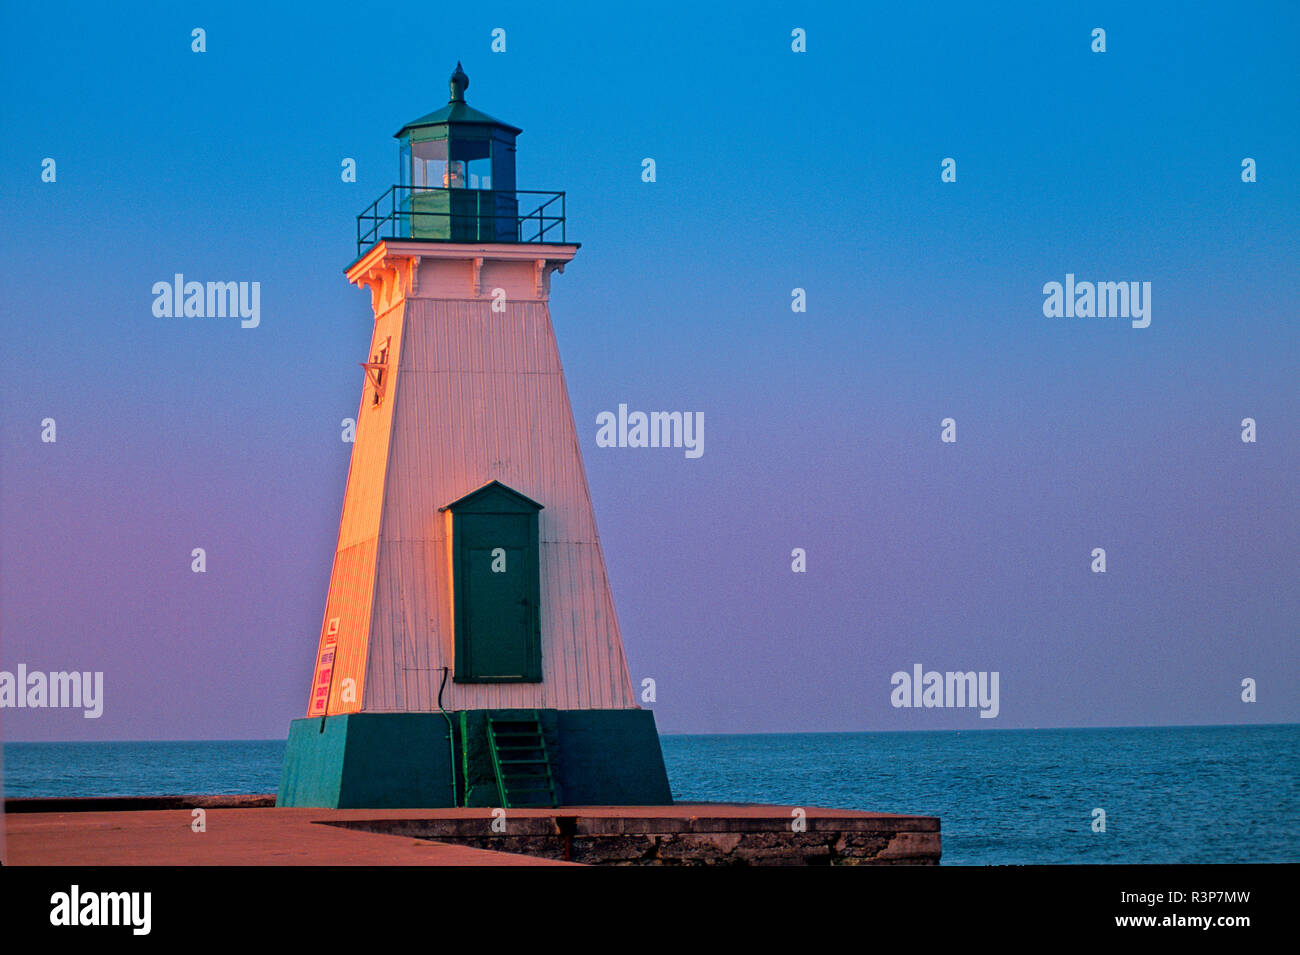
[775, 170]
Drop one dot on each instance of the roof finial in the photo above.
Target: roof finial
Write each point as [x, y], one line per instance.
[459, 83]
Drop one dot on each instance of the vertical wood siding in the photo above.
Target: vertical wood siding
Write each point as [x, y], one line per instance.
[481, 396]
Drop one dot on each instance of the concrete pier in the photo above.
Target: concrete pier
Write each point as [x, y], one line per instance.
[248, 830]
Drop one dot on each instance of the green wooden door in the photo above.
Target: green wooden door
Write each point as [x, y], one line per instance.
[498, 599]
[498, 619]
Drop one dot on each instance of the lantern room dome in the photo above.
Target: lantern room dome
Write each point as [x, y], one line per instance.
[457, 111]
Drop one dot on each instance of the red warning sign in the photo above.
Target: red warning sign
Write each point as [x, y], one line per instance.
[320, 694]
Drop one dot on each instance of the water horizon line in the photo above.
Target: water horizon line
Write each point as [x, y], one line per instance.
[977, 729]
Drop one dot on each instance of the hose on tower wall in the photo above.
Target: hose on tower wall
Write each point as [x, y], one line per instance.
[451, 736]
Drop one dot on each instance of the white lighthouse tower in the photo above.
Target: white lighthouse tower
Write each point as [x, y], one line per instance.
[469, 652]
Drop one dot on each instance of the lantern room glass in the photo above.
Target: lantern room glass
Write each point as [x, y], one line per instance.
[448, 163]
[424, 164]
[471, 164]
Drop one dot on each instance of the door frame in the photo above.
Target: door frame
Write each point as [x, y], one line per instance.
[495, 499]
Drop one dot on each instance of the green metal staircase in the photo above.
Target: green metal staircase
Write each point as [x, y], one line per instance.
[521, 761]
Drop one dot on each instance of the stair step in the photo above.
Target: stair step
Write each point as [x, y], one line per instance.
[522, 777]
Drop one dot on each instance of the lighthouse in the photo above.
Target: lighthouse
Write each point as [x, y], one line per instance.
[469, 651]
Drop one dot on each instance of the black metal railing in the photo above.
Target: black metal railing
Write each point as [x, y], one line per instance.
[462, 215]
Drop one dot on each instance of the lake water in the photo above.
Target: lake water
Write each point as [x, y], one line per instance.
[1170, 794]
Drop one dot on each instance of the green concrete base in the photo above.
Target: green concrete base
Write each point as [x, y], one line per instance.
[403, 760]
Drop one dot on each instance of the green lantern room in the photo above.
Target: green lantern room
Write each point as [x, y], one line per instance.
[457, 176]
